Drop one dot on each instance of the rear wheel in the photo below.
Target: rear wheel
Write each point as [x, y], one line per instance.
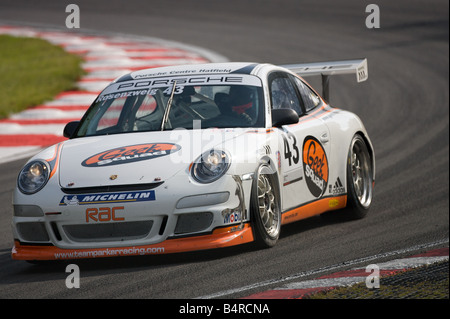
[265, 208]
[359, 178]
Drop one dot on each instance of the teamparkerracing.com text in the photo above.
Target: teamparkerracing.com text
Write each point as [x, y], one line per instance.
[109, 252]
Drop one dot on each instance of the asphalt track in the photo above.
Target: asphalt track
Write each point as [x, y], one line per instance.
[404, 105]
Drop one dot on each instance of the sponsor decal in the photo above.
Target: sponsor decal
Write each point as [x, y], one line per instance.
[232, 217]
[192, 80]
[337, 188]
[102, 198]
[103, 214]
[130, 154]
[141, 86]
[278, 156]
[109, 252]
[333, 203]
[316, 166]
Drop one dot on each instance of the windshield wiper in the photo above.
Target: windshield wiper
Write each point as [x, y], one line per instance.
[169, 105]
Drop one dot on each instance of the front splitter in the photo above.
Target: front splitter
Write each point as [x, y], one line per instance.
[220, 238]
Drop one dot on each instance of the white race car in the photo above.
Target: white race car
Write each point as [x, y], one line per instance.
[194, 157]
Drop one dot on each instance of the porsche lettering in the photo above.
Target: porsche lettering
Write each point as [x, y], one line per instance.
[190, 80]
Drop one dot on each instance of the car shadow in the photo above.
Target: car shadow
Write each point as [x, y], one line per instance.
[314, 222]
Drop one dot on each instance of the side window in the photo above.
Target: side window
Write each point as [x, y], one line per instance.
[309, 97]
[283, 94]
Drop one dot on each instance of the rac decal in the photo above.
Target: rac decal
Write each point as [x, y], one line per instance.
[129, 154]
[316, 166]
[103, 214]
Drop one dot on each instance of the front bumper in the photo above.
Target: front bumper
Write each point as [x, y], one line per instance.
[176, 217]
[221, 237]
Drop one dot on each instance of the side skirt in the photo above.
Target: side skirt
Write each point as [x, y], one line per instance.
[316, 207]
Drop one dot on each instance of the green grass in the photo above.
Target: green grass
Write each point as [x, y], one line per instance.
[33, 71]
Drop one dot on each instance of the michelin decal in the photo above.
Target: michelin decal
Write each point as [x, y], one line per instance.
[89, 199]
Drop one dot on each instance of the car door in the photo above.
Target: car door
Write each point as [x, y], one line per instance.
[332, 141]
[303, 147]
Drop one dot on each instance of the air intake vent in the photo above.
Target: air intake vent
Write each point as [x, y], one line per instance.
[191, 223]
[34, 232]
[109, 231]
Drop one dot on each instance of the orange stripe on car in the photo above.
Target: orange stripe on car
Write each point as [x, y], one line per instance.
[54, 161]
[314, 208]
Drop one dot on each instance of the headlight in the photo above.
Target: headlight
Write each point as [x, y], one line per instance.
[33, 177]
[210, 166]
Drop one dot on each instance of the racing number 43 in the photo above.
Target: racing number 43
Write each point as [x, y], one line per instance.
[294, 154]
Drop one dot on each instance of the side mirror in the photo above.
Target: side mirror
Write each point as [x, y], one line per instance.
[70, 129]
[282, 117]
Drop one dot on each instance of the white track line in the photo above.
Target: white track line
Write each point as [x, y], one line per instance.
[326, 269]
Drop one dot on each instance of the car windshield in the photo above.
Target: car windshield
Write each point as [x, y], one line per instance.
[219, 101]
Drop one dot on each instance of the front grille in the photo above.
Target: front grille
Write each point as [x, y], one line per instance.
[108, 231]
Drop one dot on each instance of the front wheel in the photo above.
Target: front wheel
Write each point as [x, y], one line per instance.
[265, 208]
[359, 178]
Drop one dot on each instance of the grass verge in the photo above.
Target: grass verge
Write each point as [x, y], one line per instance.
[33, 71]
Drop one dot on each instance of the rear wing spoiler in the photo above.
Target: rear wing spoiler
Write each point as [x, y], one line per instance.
[326, 69]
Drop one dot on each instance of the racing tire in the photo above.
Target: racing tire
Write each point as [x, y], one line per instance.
[359, 179]
[265, 208]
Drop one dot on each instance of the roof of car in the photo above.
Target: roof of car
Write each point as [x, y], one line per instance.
[191, 69]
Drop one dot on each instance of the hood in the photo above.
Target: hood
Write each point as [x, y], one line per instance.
[135, 158]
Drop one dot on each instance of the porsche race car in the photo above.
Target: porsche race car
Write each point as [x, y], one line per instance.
[194, 157]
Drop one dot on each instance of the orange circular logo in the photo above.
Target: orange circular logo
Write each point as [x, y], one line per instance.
[315, 164]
